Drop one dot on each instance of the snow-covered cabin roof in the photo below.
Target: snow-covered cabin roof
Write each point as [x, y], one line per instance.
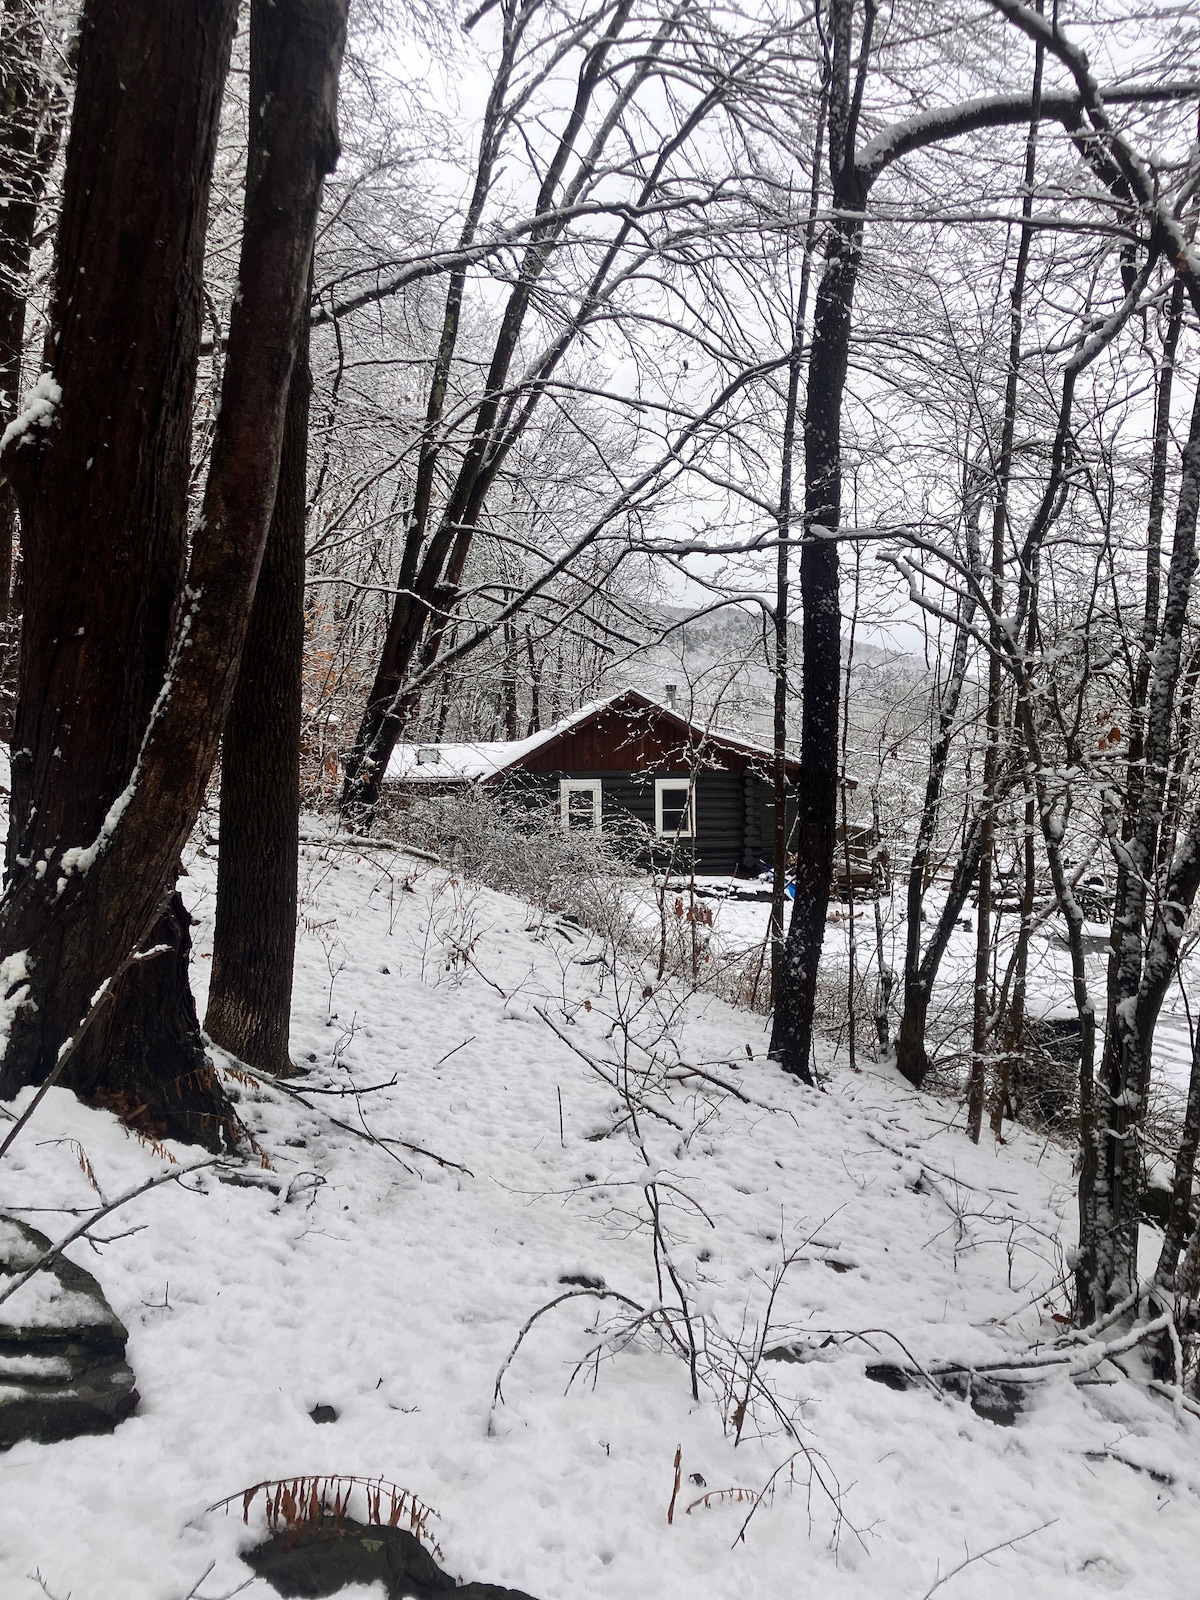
[481, 760]
[478, 760]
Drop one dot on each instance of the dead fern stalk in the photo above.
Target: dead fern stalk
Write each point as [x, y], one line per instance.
[293, 1504]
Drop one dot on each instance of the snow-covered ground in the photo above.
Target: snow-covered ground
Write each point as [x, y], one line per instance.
[740, 926]
[373, 1279]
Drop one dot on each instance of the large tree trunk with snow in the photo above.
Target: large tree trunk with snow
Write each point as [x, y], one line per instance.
[103, 492]
[144, 1058]
[105, 799]
[250, 997]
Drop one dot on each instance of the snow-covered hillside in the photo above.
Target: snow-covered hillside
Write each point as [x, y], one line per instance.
[391, 1285]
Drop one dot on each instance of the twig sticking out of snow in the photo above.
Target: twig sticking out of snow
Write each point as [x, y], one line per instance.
[688, 1070]
[571, 1294]
[982, 1555]
[601, 1070]
[382, 1140]
[358, 841]
[678, 1480]
[820, 1473]
[194, 1592]
[1074, 1359]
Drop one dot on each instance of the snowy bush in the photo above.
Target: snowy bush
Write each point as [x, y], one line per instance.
[520, 849]
[599, 881]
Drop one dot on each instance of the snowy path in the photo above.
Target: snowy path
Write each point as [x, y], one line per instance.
[392, 1289]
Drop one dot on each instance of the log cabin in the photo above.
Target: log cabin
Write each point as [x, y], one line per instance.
[700, 796]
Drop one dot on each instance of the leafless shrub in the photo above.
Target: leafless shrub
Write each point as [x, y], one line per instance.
[519, 848]
[600, 882]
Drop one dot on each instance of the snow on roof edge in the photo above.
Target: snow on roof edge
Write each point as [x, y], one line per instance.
[475, 761]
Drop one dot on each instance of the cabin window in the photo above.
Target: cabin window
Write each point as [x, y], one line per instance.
[674, 808]
[428, 756]
[579, 799]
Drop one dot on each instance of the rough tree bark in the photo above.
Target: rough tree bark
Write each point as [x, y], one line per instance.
[105, 805]
[31, 114]
[103, 490]
[254, 940]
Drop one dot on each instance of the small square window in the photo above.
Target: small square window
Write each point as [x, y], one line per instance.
[674, 808]
[580, 805]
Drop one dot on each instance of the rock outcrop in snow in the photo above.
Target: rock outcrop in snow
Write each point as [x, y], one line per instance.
[62, 1348]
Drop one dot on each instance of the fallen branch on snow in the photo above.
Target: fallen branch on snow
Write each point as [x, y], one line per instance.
[172, 1175]
[982, 1555]
[382, 1140]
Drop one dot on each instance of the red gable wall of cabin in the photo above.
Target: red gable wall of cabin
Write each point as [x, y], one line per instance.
[630, 740]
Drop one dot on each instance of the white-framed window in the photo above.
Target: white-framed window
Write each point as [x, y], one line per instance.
[579, 803]
[674, 808]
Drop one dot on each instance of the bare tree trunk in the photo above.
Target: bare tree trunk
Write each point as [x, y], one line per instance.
[779, 666]
[1091, 1225]
[1145, 955]
[981, 1009]
[886, 981]
[1013, 1041]
[535, 684]
[817, 786]
[254, 941]
[1136, 764]
[509, 681]
[821, 655]
[981, 986]
[114, 464]
[106, 800]
[912, 1059]
[31, 117]
[780, 785]
[920, 973]
[1180, 765]
[1013, 1038]
[851, 940]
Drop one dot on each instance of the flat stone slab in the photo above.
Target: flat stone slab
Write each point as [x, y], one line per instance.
[62, 1348]
[307, 1563]
[999, 1400]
